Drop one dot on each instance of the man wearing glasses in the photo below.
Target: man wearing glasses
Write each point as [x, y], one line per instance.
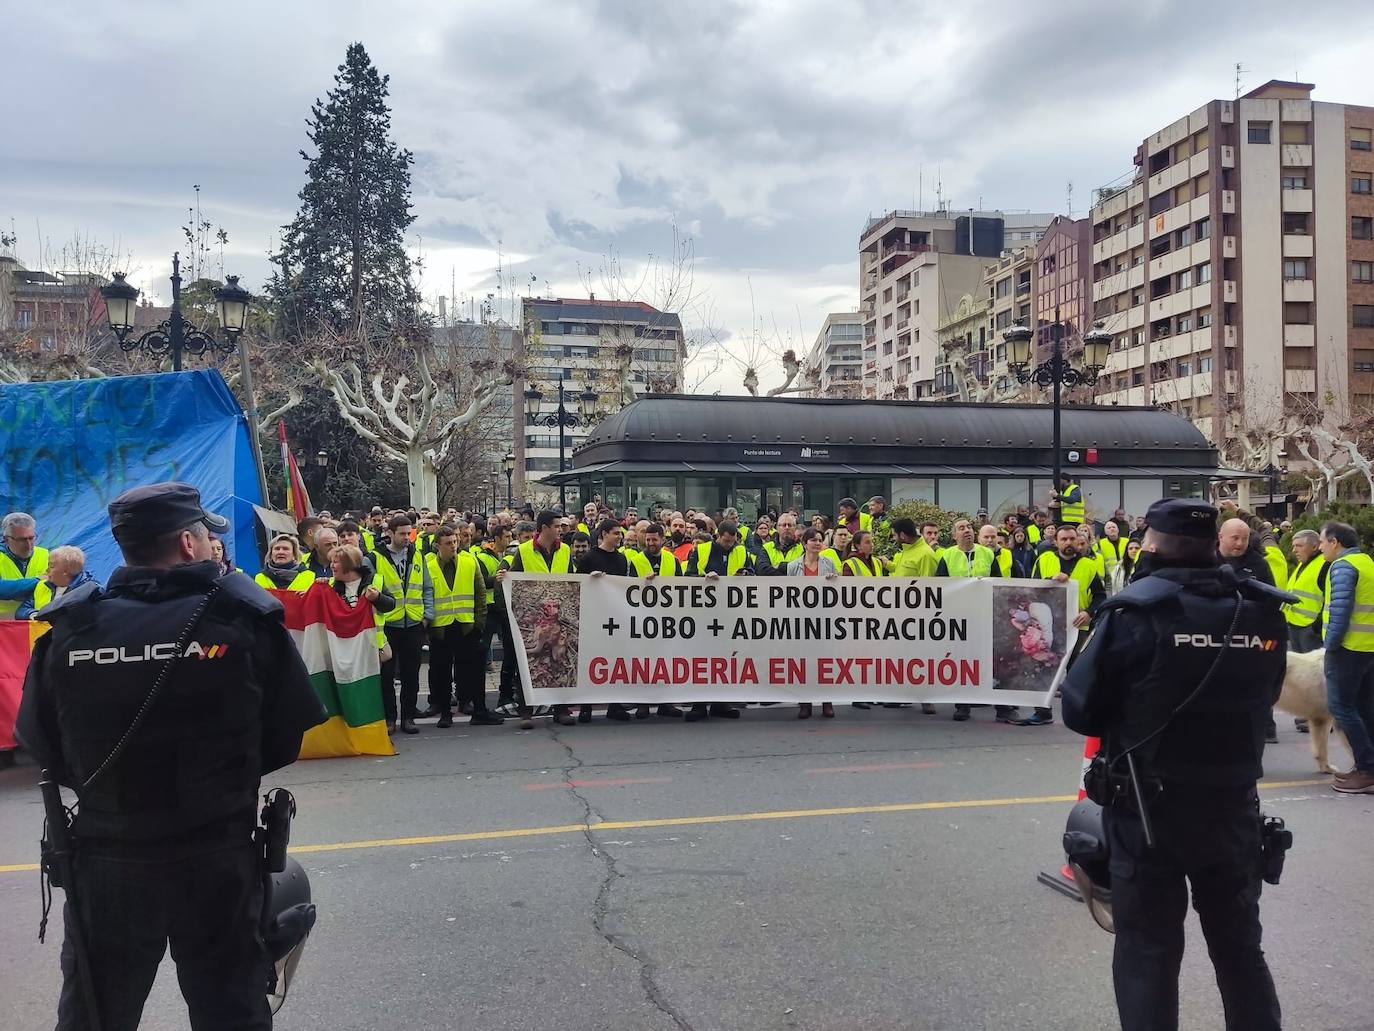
[22, 563]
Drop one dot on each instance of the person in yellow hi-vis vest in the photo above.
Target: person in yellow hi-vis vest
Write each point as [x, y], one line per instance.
[1067, 564]
[542, 553]
[1073, 507]
[401, 566]
[456, 610]
[22, 562]
[281, 567]
[1348, 631]
[66, 571]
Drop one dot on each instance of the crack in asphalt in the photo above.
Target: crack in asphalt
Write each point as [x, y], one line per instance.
[653, 992]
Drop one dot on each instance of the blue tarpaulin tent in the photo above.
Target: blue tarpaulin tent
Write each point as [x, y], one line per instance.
[68, 448]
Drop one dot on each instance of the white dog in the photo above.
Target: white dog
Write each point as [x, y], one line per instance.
[1304, 696]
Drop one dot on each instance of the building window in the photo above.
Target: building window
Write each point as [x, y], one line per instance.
[1363, 315]
[1204, 273]
[1204, 318]
[1362, 228]
[1364, 360]
[1295, 268]
[1299, 313]
[1295, 223]
[1258, 132]
[1185, 324]
[1185, 368]
[1204, 364]
[1137, 378]
[1185, 279]
[1295, 179]
[1362, 271]
[1299, 133]
[23, 318]
[1359, 139]
[1361, 184]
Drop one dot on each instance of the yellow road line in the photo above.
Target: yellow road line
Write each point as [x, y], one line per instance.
[687, 821]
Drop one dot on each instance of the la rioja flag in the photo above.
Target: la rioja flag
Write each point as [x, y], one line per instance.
[297, 498]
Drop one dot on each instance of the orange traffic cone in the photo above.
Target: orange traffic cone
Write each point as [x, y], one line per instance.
[1061, 880]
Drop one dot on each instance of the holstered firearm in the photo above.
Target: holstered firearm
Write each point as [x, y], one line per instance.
[58, 870]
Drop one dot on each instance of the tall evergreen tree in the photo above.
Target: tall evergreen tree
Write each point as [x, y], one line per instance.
[343, 265]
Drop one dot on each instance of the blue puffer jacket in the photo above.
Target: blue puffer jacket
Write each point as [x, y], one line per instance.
[1342, 579]
[26, 607]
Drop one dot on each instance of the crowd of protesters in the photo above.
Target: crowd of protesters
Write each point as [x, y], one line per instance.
[434, 579]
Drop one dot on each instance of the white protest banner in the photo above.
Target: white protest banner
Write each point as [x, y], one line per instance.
[789, 639]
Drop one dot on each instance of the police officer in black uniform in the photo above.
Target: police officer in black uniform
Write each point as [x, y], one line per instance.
[1184, 624]
[164, 832]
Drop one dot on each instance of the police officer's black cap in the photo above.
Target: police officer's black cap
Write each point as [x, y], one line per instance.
[158, 509]
[1183, 517]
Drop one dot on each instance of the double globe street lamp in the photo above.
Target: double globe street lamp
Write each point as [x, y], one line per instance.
[176, 336]
[1056, 371]
[508, 467]
[563, 420]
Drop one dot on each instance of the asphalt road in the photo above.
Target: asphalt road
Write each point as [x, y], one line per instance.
[656, 875]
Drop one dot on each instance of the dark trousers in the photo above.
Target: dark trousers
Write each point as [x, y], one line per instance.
[1208, 839]
[510, 669]
[1304, 638]
[1350, 697]
[455, 662]
[207, 908]
[407, 650]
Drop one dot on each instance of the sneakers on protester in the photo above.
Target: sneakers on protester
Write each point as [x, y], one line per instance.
[670, 711]
[562, 716]
[618, 712]
[1359, 782]
[445, 721]
[584, 714]
[408, 727]
[961, 713]
[485, 718]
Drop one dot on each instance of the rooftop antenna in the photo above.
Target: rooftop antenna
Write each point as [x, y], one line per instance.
[1239, 72]
[1068, 198]
[939, 191]
[921, 187]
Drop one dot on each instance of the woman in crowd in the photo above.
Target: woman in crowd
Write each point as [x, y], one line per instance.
[281, 566]
[1022, 553]
[219, 557]
[348, 566]
[1125, 569]
[861, 560]
[813, 563]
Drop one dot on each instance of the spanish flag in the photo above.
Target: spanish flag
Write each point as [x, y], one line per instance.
[339, 646]
[16, 642]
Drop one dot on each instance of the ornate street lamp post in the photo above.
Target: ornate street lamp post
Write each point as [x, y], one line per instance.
[175, 336]
[508, 467]
[1056, 372]
[561, 419]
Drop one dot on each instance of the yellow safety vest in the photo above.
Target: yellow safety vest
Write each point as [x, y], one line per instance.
[1278, 564]
[834, 557]
[489, 563]
[1032, 533]
[958, 564]
[1048, 566]
[42, 595]
[1304, 584]
[1111, 554]
[1359, 636]
[410, 596]
[301, 583]
[857, 567]
[531, 561]
[454, 604]
[584, 529]
[917, 559]
[1072, 511]
[37, 565]
[738, 557]
[639, 562]
[1003, 560]
[779, 557]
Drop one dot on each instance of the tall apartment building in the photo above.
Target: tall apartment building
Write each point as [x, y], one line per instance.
[1237, 267]
[581, 343]
[835, 361]
[914, 267]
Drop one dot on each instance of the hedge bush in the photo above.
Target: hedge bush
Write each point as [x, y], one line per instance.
[884, 543]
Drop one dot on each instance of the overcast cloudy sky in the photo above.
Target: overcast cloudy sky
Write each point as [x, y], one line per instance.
[560, 130]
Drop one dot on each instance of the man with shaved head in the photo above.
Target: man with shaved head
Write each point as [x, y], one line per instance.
[1237, 548]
